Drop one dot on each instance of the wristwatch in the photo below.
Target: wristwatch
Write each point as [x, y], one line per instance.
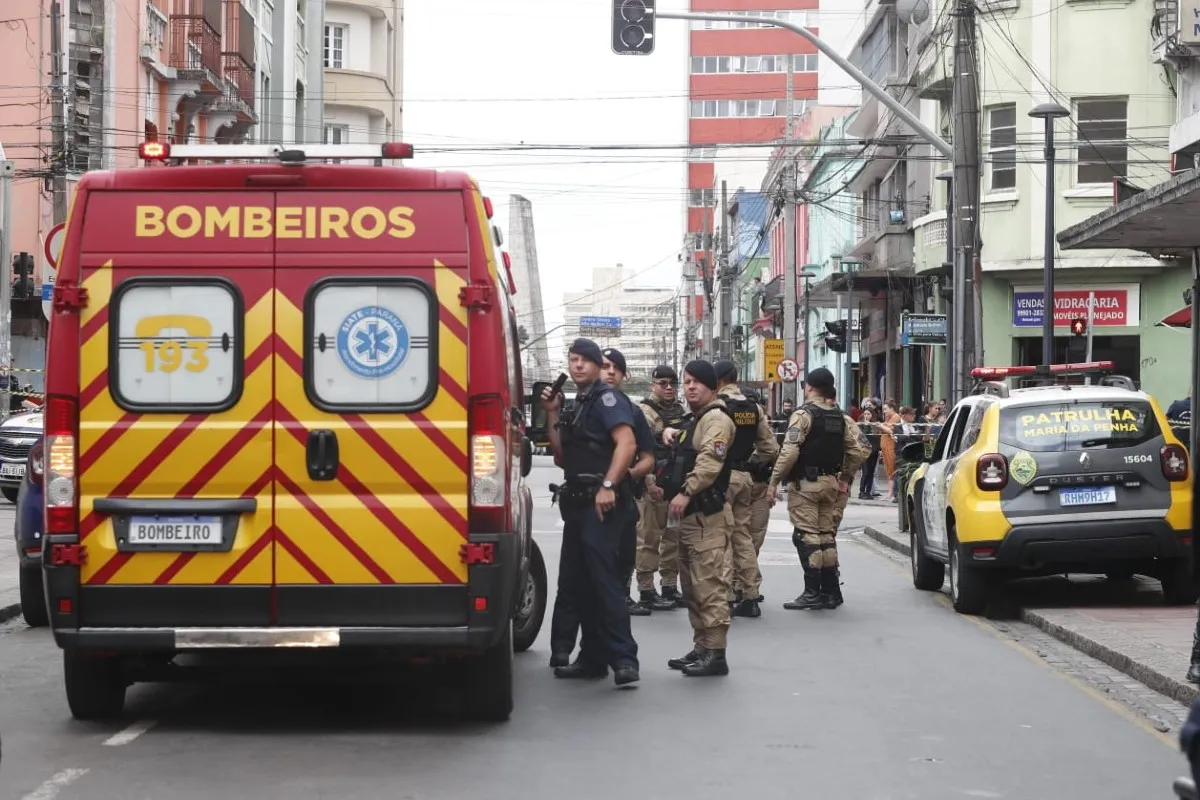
[607, 484]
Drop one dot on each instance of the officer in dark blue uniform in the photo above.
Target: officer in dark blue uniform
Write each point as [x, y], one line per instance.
[595, 447]
[613, 373]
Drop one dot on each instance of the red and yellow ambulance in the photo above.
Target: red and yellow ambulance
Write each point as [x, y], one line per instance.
[285, 410]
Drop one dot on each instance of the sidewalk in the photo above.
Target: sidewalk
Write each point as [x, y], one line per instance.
[1130, 631]
[10, 591]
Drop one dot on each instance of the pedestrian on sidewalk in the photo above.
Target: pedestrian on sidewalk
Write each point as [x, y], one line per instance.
[870, 428]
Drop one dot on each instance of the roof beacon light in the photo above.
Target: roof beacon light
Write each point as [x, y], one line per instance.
[154, 151]
[991, 373]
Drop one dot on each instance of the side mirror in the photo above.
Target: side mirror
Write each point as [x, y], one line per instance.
[913, 452]
[526, 456]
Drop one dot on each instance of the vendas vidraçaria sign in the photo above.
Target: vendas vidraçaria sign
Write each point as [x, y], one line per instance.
[1113, 306]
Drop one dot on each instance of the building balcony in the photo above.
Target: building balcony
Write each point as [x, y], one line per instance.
[929, 245]
[195, 43]
[367, 91]
[933, 71]
[237, 61]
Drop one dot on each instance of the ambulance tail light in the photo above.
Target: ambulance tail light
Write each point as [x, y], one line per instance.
[991, 472]
[487, 427]
[154, 151]
[61, 458]
[512, 285]
[1174, 462]
[397, 150]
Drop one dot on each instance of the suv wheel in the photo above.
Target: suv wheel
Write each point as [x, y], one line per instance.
[970, 587]
[10, 494]
[531, 605]
[489, 682]
[927, 575]
[1176, 579]
[33, 599]
[95, 685]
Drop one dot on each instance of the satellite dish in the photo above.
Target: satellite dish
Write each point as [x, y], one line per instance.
[915, 11]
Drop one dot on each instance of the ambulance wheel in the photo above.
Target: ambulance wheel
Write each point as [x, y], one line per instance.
[489, 682]
[95, 685]
[33, 599]
[531, 605]
[1176, 579]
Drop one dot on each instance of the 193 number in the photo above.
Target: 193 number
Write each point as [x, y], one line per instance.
[170, 355]
[1141, 459]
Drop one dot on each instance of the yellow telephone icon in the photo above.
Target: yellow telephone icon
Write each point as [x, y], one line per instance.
[167, 354]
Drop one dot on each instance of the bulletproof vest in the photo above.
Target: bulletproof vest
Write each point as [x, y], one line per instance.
[671, 416]
[745, 419]
[824, 448]
[586, 448]
[683, 460]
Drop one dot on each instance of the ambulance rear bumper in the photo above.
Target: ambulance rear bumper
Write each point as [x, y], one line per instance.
[143, 640]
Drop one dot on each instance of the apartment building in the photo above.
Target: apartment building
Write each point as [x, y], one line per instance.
[363, 62]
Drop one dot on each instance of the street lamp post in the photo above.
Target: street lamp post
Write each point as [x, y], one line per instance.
[947, 177]
[1048, 112]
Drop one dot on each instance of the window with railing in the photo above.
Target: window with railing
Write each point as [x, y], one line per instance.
[704, 109]
[716, 65]
[335, 46]
[156, 27]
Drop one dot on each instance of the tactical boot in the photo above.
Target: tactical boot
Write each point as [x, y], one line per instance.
[736, 599]
[711, 663]
[831, 592]
[560, 659]
[637, 609]
[747, 608]
[624, 676]
[672, 593]
[692, 657]
[1193, 673]
[812, 593]
[660, 602]
[581, 669]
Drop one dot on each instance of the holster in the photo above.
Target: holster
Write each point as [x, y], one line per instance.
[706, 502]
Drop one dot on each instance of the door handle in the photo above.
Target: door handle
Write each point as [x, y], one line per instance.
[322, 455]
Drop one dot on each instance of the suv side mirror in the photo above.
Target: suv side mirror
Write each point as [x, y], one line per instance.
[526, 456]
[914, 452]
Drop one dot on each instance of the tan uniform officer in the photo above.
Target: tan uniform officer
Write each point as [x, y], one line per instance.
[817, 448]
[697, 481]
[658, 547]
[760, 507]
[753, 444]
[845, 479]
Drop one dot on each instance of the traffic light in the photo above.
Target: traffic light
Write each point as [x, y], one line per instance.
[835, 338]
[1077, 344]
[22, 287]
[633, 27]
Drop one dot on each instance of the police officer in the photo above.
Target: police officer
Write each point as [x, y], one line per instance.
[818, 448]
[658, 547]
[753, 447]
[760, 505]
[595, 448]
[845, 479]
[697, 482]
[613, 373]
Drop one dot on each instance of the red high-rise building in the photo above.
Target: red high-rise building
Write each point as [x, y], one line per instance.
[737, 89]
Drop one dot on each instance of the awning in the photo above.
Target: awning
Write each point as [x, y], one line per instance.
[1160, 221]
[1180, 319]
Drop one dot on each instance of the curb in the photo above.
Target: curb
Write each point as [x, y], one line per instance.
[10, 612]
[1164, 684]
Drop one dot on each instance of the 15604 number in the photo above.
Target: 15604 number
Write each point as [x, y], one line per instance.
[1139, 459]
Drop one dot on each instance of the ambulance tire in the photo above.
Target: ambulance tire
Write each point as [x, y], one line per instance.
[531, 604]
[489, 682]
[95, 686]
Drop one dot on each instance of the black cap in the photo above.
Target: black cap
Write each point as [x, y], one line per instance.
[820, 378]
[665, 371]
[588, 349]
[726, 371]
[618, 360]
[703, 372]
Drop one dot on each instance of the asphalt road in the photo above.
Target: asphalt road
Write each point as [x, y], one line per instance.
[892, 696]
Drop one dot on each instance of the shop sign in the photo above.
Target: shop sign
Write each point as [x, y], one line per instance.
[922, 329]
[1114, 306]
[772, 354]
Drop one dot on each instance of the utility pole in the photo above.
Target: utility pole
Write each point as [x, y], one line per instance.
[790, 266]
[7, 169]
[967, 308]
[726, 275]
[673, 352]
[58, 124]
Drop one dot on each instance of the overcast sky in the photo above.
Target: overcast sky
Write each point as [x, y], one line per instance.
[484, 74]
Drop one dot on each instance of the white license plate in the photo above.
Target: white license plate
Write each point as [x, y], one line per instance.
[12, 470]
[175, 532]
[1090, 496]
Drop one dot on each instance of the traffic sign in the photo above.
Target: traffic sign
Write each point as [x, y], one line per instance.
[52, 249]
[788, 370]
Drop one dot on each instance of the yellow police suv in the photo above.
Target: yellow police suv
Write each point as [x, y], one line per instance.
[1051, 478]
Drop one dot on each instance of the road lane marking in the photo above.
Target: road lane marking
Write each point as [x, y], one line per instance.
[50, 789]
[129, 734]
[943, 599]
